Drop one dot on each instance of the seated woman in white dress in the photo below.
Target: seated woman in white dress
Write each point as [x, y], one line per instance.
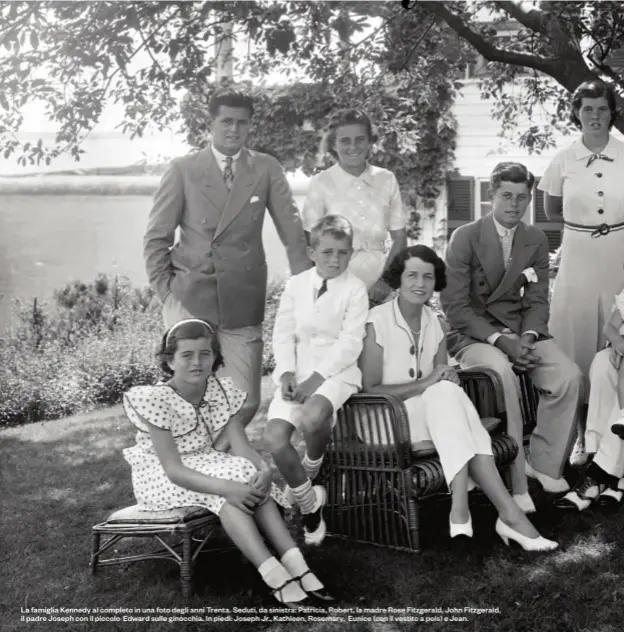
[405, 355]
[367, 195]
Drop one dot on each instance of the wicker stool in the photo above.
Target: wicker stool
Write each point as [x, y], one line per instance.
[179, 524]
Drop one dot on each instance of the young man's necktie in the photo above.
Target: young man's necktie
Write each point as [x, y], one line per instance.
[506, 243]
[228, 173]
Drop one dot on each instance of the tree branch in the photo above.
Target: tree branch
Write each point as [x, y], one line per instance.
[417, 43]
[526, 14]
[486, 48]
[20, 19]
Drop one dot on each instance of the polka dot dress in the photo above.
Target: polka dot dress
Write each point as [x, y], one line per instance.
[194, 430]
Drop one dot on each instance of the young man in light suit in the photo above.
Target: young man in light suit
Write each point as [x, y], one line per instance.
[496, 303]
[317, 340]
[217, 269]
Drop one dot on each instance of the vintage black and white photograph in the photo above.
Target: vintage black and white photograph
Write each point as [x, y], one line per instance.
[312, 315]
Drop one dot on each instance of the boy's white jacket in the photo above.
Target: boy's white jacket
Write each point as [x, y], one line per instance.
[323, 335]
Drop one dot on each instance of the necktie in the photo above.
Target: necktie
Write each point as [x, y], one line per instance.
[506, 243]
[322, 289]
[228, 173]
[598, 157]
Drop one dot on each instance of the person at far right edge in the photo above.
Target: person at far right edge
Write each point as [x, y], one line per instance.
[584, 191]
[496, 303]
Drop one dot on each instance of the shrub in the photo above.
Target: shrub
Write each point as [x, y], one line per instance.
[85, 348]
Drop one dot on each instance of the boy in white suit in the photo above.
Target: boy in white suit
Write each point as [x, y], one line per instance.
[317, 340]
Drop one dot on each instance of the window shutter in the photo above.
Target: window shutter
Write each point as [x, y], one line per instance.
[460, 202]
[554, 239]
[552, 229]
[486, 202]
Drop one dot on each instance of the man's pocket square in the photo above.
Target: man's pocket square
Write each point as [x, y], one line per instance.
[255, 198]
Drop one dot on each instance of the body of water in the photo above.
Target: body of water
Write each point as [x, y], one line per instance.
[48, 240]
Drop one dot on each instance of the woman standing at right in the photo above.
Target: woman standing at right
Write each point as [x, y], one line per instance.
[584, 188]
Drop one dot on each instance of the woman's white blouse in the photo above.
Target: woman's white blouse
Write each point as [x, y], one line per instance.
[593, 194]
[371, 202]
[393, 334]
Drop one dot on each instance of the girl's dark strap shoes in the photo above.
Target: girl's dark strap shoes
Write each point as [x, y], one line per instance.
[294, 605]
[321, 594]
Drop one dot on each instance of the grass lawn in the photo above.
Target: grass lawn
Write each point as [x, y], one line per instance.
[59, 478]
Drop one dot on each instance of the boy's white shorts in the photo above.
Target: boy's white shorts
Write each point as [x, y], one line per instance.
[336, 391]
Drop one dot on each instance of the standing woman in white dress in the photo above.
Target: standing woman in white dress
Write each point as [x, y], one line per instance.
[584, 189]
[367, 195]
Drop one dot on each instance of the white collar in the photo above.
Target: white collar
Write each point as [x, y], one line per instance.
[399, 319]
[221, 158]
[581, 151]
[502, 230]
[345, 178]
[317, 279]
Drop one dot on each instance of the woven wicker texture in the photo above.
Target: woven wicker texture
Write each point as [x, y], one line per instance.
[374, 490]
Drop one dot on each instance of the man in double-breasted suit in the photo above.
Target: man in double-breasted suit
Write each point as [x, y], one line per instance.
[496, 303]
[216, 270]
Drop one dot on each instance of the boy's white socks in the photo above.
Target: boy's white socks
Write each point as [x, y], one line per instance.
[305, 497]
[311, 468]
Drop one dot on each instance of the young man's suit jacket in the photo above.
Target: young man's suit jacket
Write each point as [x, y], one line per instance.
[217, 269]
[481, 297]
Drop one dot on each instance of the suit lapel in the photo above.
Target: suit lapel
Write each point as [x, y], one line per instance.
[516, 263]
[489, 253]
[242, 188]
[209, 177]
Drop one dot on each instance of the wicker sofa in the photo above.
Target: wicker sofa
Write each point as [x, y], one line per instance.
[375, 490]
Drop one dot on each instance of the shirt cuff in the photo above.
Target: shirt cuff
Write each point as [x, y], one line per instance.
[492, 338]
[530, 331]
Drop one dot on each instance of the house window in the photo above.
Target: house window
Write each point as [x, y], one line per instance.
[461, 201]
[616, 60]
[485, 199]
[552, 229]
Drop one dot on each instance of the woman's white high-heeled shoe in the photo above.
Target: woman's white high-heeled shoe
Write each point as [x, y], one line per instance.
[528, 544]
[461, 529]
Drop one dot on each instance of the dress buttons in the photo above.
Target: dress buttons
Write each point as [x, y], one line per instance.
[203, 220]
[600, 193]
[599, 175]
[600, 211]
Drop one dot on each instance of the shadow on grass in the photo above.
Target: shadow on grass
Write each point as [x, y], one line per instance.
[59, 478]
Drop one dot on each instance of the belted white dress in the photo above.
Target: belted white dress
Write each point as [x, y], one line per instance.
[592, 266]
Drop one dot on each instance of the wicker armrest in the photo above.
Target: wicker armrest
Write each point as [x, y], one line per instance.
[371, 428]
[485, 389]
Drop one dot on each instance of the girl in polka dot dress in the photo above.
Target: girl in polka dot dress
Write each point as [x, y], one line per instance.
[184, 425]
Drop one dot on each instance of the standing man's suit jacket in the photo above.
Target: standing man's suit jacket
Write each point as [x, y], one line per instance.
[217, 269]
[481, 297]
